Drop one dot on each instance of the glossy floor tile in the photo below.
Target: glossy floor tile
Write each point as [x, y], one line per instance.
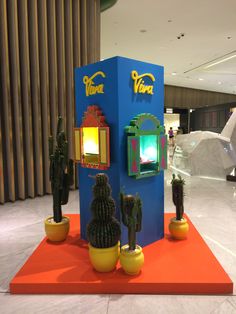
[210, 204]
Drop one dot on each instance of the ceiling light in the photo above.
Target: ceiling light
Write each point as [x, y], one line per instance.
[200, 79]
[220, 61]
[219, 83]
[173, 73]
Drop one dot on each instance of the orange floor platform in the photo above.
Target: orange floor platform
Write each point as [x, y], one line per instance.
[171, 267]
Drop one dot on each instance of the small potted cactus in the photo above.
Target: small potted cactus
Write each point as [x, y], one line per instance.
[178, 226]
[61, 177]
[103, 231]
[131, 257]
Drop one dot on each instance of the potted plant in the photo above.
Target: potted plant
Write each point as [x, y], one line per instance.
[103, 232]
[131, 256]
[61, 177]
[178, 226]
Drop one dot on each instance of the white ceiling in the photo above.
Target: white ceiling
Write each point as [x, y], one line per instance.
[147, 30]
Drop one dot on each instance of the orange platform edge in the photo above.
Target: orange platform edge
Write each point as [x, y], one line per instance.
[171, 267]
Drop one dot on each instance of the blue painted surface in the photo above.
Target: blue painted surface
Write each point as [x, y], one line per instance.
[119, 105]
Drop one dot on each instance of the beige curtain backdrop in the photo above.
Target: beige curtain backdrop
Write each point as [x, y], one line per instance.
[41, 42]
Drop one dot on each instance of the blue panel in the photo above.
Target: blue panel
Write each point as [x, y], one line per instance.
[120, 104]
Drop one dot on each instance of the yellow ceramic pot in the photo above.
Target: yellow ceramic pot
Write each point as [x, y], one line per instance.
[57, 231]
[104, 260]
[131, 261]
[178, 228]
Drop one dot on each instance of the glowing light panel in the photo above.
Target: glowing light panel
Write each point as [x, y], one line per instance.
[148, 148]
[90, 140]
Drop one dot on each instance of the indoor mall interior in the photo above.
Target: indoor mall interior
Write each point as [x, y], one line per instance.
[117, 156]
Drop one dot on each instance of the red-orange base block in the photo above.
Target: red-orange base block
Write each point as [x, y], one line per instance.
[170, 267]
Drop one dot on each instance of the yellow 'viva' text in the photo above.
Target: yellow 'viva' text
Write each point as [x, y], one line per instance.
[90, 87]
[139, 84]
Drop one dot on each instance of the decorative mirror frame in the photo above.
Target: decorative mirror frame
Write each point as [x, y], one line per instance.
[93, 117]
[134, 132]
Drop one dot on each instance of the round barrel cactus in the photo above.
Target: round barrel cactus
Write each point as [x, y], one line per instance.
[104, 229]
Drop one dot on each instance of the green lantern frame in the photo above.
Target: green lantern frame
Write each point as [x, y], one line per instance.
[137, 131]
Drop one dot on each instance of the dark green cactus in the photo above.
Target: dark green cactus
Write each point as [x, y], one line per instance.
[178, 195]
[61, 171]
[131, 210]
[104, 230]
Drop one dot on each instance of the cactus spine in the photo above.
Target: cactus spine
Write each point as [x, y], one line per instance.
[178, 195]
[131, 210]
[104, 229]
[61, 171]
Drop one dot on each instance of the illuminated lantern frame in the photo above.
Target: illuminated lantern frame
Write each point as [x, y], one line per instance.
[147, 146]
[92, 148]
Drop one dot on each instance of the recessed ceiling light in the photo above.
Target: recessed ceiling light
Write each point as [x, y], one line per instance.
[200, 79]
[219, 83]
[173, 73]
[143, 30]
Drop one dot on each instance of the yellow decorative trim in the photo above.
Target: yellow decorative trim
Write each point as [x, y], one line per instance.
[77, 144]
[103, 146]
[139, 86]
[90, 87]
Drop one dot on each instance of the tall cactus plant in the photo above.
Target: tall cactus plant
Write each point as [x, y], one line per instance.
[131, 210]
[61, 170]
[104, 229]
[178, 195]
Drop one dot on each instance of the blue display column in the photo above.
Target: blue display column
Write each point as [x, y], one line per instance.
[123, 88]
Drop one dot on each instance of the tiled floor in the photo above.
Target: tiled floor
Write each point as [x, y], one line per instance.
[211, 206]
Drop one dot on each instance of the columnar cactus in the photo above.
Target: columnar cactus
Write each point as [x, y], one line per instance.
[178, 195]
[61, 171]
[131, 210]
[104, 229]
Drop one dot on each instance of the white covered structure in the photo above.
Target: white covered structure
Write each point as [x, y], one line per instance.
[207, 154]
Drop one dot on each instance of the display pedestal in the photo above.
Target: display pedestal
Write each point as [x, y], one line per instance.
[119, 100]
[170, 267]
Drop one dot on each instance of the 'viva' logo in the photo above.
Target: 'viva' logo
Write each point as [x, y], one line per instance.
[90, 87]
[139, 84]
